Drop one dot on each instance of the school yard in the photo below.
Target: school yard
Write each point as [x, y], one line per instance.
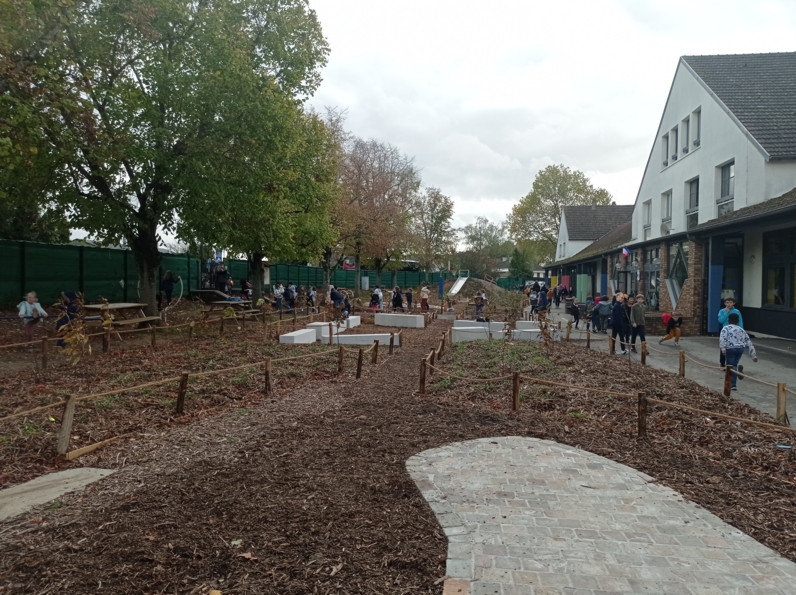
[305, 489]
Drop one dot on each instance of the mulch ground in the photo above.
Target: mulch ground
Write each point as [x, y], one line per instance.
[305, 491]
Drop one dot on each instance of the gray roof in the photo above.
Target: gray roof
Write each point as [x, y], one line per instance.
[760, 90]
[589, 222]
[616, 238]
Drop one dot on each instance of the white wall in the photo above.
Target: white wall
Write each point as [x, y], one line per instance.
[753, 268]
[722, 140]
[570, 248]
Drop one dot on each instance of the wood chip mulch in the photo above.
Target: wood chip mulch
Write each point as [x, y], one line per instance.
[307, 492]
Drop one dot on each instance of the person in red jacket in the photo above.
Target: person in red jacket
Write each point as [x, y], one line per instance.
[672, 322]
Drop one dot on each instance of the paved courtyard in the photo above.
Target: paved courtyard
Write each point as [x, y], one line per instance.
[533, 517]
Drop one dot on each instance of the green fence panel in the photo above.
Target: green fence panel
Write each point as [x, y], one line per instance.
[11, 292]
[50, 269]
[238, 269]
[103, 274]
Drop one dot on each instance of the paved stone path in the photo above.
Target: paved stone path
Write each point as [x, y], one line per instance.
[534, 517]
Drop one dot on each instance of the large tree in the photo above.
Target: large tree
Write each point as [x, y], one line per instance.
[27, 221]
[136, 114]
[486, 243]
[378, 183]
[434, 234]
[538, 214]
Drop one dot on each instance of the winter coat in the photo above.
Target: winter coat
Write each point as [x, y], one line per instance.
[637, 314]
[619, 316]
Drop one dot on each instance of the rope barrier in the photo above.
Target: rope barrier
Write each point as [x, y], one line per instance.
[719, 368]
[742, 375]
[721, 415]
[676, 353]
[583, 388]
[165, 381]
[449, 375]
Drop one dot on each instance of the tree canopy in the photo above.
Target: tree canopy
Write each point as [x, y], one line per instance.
[538, 214]
[434, 234]
[144, 115]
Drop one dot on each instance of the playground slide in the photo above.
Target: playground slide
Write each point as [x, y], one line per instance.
[458, 285]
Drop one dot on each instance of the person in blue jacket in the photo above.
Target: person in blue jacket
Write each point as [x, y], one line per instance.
[724, 316]
[619, 323]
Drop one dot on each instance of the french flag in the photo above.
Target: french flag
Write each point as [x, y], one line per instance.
[625, 252]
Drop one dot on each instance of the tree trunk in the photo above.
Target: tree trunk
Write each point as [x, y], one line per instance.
[256, 268]
[394, 279]
[144, 246]
[378, 272]
[326, 265]
[357, 269]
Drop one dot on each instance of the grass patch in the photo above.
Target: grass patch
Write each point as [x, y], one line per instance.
[29, 429]
[108, 402]
[577, 415]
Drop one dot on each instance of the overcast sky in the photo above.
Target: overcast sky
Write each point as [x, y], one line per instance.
[485, 94]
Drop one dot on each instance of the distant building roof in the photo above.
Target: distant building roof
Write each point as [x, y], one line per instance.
[589, 222]
[616, 238]
[760, 90]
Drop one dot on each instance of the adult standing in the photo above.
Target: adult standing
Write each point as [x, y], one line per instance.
[557, 295]
[536, 286]
[604, 309]
[167, 288]
[618, 324]
[397, 300]
[409, 299]
[724, 316]
[222, 277]
[638, 322]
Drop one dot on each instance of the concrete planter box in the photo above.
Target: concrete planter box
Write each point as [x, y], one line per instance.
[322, 329]
[382, 338]
[465, 334]
[353, 321]
[531, 334]
[400, 320]
[493, 326]
[300, 337]
[523, 325]
[446, 316]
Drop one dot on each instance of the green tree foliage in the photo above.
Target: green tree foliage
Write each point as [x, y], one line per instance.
[137, 115]
[538, 215]
[486, 245]
[434, 234]
[525, 257]
[29, 222]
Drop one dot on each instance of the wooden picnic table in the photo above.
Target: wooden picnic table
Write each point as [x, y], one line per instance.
[242, 307]
[126, 313]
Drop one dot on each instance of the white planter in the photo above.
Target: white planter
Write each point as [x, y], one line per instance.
[465, 334]
[322, 329]
[353, 321]
[531, 334]
[299, 337]
[493, 326]
[523, 325]
[400, 320]
[382, 338]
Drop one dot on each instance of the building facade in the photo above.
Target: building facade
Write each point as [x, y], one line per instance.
[715, 215]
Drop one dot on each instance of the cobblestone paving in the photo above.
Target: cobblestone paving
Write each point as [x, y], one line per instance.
[534, 517]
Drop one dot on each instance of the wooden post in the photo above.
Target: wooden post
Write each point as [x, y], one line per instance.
[392, 342]
[44, 354]
[515, 392]
[278, 331]
[243, 321]
[431, 362]
[359, 363]
[610, 345]
[569, 328]
[423, 376]
[559, 325]
[643, 353]
[263, 317]
[782, 413]
[181, 393]
[375, 357]
[642, 415]
[106, 340]
[727, 380]
[65, 433]
[280, 314]
[588, 339]
[221, 328]
[682, 363]
[340, 356]
[312, 317]
[154, 337]
[268, 376]
[331, 336]
[190, 332]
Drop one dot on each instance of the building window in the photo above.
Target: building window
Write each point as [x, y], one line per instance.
[692, 206]
[686, 127]
[674, 136]
[665, 149]
[666, 207]
[678, 271]
[779, 269]
[774, 284]
[652, 277]
[647, 218]
[726, 201]
[697, 118]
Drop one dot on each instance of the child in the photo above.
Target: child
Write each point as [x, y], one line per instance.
[732, 342]
[409, 299]
[619, 324]
[30, 311]
[590, 315]
[672, 323]
[574, 308]
[637, 321]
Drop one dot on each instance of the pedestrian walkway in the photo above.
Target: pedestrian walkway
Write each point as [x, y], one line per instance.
[532, 517]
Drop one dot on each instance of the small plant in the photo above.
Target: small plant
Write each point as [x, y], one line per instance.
[443, 384]
[108, 402]
[578, 415]
[30, 428]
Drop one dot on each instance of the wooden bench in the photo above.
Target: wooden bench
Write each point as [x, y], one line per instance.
[133, 321]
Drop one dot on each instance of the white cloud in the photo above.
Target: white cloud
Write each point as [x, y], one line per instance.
[484, 95]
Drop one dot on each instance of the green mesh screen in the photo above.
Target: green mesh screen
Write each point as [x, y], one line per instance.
[11, 292]
[103, 274]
